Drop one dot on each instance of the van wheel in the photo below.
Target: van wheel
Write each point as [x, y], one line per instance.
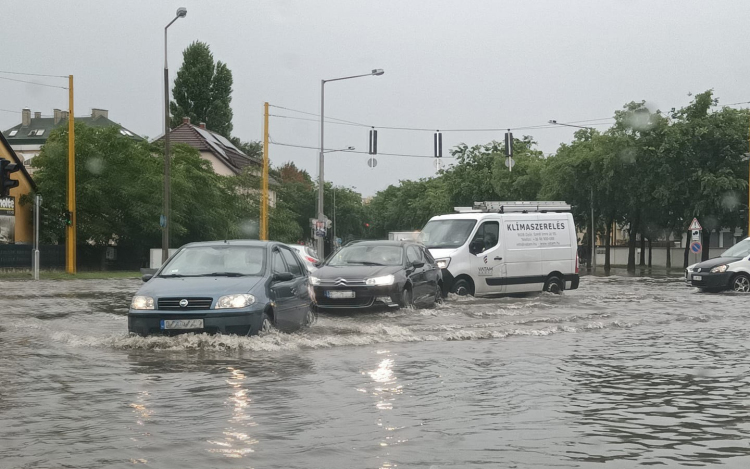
[741, 283]
[553, 285]
[462, 287]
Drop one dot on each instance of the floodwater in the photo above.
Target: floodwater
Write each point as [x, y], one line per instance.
[623, 372]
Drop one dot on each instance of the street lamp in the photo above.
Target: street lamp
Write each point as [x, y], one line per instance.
[321, 179]
[181, 13]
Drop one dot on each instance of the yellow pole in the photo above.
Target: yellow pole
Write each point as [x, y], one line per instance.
[70, 239]
[264, 189]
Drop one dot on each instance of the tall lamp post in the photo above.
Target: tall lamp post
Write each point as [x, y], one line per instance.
[181, 13]
[321, 178]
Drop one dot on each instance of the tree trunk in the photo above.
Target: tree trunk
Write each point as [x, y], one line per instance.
[649, 252]
[669, 251]
[687, 251]
[705, 254]
[642, 261]
[607, 245]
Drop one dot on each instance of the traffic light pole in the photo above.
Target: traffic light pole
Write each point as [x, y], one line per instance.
[70, 238]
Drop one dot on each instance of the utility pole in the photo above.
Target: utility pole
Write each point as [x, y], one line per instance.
[264, 196]
[70, 239]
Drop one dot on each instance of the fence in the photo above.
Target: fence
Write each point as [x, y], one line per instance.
[52, 257]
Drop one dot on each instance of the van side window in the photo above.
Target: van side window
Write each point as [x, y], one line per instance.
[487, 236]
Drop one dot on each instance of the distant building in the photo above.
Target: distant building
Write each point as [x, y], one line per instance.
[225, 158]
[15, 219]
[27, 138]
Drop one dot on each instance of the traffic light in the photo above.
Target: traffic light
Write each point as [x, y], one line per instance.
[68, 218]
[6, 183]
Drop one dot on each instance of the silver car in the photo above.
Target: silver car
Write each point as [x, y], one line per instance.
[308, 256]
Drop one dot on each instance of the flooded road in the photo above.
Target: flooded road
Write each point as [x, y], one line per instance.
[620, 373]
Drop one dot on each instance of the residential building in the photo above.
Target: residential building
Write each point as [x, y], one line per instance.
[27, 138]
[16, 219]
[225, 158]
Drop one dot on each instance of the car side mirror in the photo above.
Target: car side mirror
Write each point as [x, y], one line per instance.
[147, 277]
[475, 247]
[282, 276]
[417, 264]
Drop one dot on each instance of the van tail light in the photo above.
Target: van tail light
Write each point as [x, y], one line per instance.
[577, 267]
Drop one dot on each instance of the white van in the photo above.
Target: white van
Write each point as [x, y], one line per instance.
[505, 247]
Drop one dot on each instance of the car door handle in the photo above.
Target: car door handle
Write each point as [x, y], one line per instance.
[498, 258]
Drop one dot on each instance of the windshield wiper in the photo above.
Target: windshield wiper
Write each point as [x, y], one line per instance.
[223, 274]
[369, 263]
[173, 276]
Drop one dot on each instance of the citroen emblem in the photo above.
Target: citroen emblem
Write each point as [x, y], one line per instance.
[183, 303]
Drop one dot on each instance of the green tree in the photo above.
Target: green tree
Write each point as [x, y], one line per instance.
[203, 90]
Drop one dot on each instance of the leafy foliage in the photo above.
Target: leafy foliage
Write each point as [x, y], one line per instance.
[203, 90]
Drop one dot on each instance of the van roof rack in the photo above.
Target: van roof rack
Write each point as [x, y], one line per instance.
[515, 207]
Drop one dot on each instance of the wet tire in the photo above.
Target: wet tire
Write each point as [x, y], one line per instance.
[462, 287]
[265, 324]
[407, 298]
[438, 295]
[554, 285]
[740, 283]
[310, 318]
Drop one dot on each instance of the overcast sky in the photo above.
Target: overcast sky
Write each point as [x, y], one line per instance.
[448, 65]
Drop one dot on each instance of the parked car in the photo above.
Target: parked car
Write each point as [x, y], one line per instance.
[731, 271]
[377, 273]
[229, 287]
[308, 255]
[505, 247]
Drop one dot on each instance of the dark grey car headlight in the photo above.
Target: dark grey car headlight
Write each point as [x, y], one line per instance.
[240, 300]
[719, 269]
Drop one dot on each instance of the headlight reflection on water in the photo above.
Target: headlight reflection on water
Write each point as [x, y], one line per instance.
[236, 442]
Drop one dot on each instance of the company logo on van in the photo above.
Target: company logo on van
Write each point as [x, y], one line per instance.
[560, 225]
[485, 271]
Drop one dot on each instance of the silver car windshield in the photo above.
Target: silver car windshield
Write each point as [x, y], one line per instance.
[368, 255]
[200, 261]
[445, 234]
[741, 249]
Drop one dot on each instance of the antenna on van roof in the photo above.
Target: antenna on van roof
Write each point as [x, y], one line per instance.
[517, 207]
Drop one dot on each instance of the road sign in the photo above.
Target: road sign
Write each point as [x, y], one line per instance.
[695, 225]
[509, 163]
[372, 162]
[696, 235]
[695, 247]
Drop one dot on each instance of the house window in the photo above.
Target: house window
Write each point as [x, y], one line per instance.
[126, 133]
[40, 132]
[36, 132]
[12, 133]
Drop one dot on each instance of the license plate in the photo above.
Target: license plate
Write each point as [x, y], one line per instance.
[340, 294]
[181, 324]
[697, 278]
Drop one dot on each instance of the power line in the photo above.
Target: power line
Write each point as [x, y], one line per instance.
[355, 151]
[8, 110]
[33, 83]
[318, 115]
[33, 74]
[419, 129]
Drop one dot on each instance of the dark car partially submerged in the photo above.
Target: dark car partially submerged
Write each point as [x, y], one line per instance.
[377, 273]
[731, 271]
[230, 287]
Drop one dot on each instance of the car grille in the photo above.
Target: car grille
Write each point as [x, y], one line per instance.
[193, 303]
[342, 282]
[344, 302]
[696, 269]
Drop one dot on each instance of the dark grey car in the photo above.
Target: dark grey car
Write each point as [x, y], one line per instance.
[231, 287]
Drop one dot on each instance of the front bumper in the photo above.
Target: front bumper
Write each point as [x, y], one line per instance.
[364, 296]
[244, 321]
[709, 280]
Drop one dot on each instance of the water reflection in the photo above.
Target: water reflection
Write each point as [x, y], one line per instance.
[236, 443]
[386, 391]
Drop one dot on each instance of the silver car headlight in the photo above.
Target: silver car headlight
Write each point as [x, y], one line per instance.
[719, 269]
[314, 280]
[384, 280]
[240, 300]
[142, 302]
[443, 263]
